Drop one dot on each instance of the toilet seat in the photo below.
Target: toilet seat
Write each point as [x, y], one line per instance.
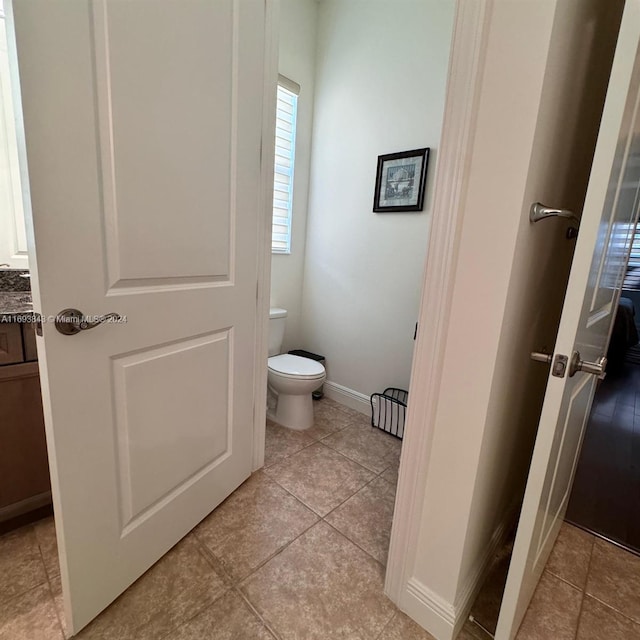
[295, 367]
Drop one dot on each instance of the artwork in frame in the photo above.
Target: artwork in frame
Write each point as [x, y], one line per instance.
[400, 181]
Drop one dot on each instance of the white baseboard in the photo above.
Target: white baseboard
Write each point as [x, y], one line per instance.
[429, 610]
[444, 619]
[348, 397]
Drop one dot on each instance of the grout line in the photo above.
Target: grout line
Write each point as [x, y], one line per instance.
[584, 589]
[320, 519]
[257, 613]
[331, 449]
[5, 602]
[352, 460]
[349, 498]
[635, 621]
[563, 579]
[346, 537]
[387, 623]
[214, 562]
[239, 583]
[186, 621]
[306, 446]
[50, 587]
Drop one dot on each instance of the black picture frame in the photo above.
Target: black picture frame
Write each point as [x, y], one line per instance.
[398, 188]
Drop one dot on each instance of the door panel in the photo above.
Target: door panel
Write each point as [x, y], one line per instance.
[597, 272]
[153, 392]
[143, 124]
[192, 170]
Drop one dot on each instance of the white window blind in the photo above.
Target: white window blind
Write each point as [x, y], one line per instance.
[632, 277]
[286, 115]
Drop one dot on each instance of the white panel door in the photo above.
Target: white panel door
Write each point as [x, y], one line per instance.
[143, 124]
[610, 212]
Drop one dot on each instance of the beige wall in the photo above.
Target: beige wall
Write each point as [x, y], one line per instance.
[298, 23]
[380, 84]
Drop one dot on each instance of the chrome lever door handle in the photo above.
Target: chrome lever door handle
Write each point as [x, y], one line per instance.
[539, 212]
[596, 368]
[71, 321]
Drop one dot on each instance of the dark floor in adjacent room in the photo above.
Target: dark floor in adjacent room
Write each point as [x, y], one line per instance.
[606, 491]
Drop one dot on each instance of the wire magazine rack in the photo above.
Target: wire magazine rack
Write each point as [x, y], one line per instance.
[389, 410]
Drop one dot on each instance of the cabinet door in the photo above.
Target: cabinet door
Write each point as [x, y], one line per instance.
[10, 343]
[29, 341]
[25, 481]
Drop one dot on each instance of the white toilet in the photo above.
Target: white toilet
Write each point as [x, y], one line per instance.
[291, 379]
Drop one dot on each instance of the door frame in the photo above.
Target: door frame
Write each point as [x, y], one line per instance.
[263, 281]
[466, 65]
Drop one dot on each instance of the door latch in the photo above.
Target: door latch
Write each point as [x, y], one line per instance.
[559, 368]
[541, 356]
[560, 362]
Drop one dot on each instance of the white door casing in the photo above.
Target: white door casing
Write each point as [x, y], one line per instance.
[13, 238]
[143, 125]
[613, 199]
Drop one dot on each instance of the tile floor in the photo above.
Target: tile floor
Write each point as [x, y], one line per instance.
[590, 590]
[298, 553]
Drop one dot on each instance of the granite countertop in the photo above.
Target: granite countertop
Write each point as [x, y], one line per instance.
[15, 303]
[15, 294]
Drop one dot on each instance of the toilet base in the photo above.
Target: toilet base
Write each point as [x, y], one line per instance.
[293, 412]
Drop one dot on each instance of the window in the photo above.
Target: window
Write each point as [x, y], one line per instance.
[286, 114]
[632, 276]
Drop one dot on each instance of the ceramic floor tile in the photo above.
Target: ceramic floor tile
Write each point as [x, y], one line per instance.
[366, 517]
[45, 531]
[571, 555]
[320, 477]
[598, 622]
[328, 403]
[255, 522]
[30, 616]
[364, 444]
[21, 565]
[321, 587]
[228, 618]
[614, 578]
[402, 627]
[327, 420]
[390, 474]
[553, 613]
[177, 587]
[281, 443]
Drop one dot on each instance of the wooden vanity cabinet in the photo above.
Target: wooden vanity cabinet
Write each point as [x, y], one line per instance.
[24, 469]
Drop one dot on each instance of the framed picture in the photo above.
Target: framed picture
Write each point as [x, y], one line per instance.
[400, 181]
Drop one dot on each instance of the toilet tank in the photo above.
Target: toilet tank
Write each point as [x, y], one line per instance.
[277, 322]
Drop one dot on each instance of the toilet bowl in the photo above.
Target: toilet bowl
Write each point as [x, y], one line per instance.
[291, 380]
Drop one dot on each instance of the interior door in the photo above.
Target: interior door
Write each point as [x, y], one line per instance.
[612, 204]
[143, 124]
